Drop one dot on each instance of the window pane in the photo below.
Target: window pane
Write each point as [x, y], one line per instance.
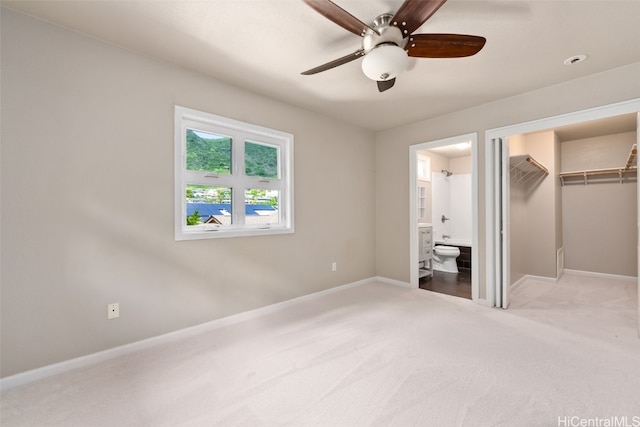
[262, 206]
[424, 168]
[208, 152]
[208, 205]
[261, 160]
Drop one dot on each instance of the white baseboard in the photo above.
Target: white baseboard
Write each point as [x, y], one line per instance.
[574, 272]
[541, 278]
[533, 277]
[601, 275]
[394, 282]
[23, 378]
[518, 282]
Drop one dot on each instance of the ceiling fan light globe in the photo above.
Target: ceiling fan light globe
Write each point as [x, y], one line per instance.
[385, 62]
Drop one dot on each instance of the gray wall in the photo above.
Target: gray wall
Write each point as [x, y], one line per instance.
[87, 201]
[600, 218]
[542, 207]
[518, 232]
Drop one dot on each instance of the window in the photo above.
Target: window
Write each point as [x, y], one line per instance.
[424, 168]
[232, 178]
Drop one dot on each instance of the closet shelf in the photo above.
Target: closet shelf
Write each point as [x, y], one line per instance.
[617, 174]
[583, 176]
[525, 167]
[631, 158]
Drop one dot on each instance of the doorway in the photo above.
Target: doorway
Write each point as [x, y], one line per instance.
[421, 215]
[499, 276]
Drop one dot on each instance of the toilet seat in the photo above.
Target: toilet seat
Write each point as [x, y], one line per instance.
[447, 250]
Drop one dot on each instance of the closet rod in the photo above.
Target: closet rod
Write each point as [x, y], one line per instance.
[535, 163]
[598, 172]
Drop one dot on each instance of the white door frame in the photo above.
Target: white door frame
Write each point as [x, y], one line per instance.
[492, 174]
[413, 207]
[638, 222]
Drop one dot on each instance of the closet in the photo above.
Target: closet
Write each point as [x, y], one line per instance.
[599, 204]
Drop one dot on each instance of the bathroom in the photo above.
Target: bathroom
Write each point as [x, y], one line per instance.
[444, 203]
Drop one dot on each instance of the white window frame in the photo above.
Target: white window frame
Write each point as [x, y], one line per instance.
[186, 118]
[424, 168]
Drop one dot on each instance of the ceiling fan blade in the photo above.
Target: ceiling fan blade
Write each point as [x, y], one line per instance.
[386, 84]
[413, 13]
[336, 62]
[338, 15]
[444, 45]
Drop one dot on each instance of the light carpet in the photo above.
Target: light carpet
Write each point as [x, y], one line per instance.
[372, 355]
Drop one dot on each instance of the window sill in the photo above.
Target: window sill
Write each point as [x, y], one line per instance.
[218, 234]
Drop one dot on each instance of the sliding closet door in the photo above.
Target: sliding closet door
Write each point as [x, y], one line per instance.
[506, 222]
[501, 229]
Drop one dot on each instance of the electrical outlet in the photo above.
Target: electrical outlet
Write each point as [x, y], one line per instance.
[334, 266]
[113, 311]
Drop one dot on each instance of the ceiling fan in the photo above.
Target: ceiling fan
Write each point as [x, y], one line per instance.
[389, 41]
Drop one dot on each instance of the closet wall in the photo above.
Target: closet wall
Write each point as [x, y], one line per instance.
[518, 217]
[599, 231]
[536, 209]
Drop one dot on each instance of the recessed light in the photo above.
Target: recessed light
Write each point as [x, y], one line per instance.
[575, 59]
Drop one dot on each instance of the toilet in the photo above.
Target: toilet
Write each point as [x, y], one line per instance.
[444, 258]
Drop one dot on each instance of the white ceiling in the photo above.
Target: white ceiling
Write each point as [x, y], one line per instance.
[263, 46]
[600, 127]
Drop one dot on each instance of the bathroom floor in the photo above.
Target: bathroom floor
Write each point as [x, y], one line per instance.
[456, 284]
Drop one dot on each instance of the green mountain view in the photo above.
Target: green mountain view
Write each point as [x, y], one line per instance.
[214, 155]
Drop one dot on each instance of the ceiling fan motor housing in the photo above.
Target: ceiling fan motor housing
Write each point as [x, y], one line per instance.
[385, 33]
[383, 46]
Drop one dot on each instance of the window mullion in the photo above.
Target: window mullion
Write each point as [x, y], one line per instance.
[237, 173]
[199, 179]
